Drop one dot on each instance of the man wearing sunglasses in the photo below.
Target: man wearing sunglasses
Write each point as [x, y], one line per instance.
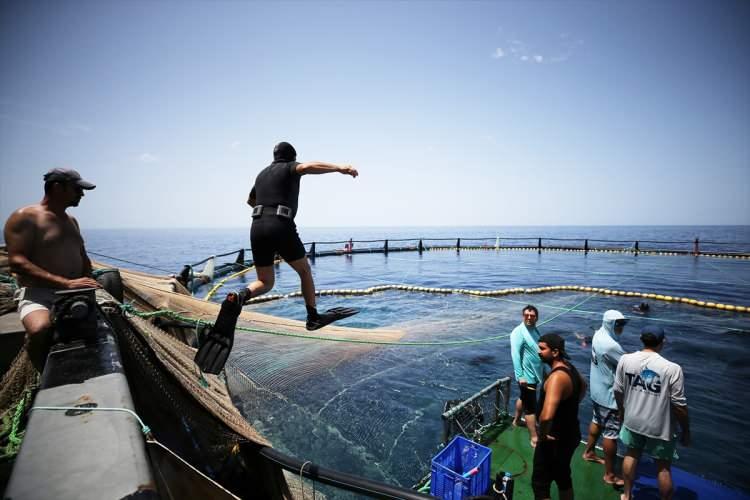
[605, 353]
[46, 253]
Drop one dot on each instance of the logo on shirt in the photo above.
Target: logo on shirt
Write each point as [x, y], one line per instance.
[647, 381]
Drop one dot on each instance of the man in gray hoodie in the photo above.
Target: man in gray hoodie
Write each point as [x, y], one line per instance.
[605, 353]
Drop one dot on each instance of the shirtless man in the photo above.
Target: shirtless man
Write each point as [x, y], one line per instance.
[46, 253]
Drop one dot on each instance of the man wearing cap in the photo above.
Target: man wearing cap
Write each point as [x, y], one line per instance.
[527, 368]
[650, 393]
[605, 353]
[559, 429]
[46, 253]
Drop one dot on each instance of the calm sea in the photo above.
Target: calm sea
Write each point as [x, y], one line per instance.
[379, 414]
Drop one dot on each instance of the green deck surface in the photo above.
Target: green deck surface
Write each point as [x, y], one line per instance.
[512, 452]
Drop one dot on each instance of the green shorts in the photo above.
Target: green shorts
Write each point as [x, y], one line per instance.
[657, 448]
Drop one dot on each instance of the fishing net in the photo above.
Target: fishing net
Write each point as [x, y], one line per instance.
[368, 398]
[377, 411]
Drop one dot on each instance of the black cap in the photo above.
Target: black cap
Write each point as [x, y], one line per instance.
[652, 335]
[67, 175]
[284, 151]
[554, 341]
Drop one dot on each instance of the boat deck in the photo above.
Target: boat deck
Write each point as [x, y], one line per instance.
[511, 452]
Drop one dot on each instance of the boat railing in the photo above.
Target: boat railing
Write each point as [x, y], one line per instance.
[216, 266]
[694, 247]
[472, 416]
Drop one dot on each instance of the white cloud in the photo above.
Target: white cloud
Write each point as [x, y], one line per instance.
[148, 158]
[235, 145]
[557, 52]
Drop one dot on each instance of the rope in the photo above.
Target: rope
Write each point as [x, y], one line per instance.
[15, 438]
[130, 262]
[129, 308]
[302, 484]
[221, 282]
[7, 278]
[510, 291]
[144, 428]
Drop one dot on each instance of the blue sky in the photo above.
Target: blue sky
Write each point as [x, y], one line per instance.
[455, 113]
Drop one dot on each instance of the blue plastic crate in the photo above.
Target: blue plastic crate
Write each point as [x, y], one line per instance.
[447, 479]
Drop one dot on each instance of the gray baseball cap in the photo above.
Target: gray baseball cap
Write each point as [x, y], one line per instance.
[67, 175]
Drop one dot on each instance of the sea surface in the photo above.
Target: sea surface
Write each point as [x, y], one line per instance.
[376, 412]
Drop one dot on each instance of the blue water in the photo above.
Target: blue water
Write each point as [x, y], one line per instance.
[378, 413]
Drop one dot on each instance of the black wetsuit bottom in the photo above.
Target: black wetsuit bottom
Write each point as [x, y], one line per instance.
[271, 234]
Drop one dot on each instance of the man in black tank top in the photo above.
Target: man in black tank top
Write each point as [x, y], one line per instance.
[559, 430]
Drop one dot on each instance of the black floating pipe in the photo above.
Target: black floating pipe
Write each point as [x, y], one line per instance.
[539, 246]
[312, 251]
[586, 247]
[342, 480]
[458, 245]
[421, 247]
[385, 247]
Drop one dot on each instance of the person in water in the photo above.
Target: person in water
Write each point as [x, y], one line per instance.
[46, 253]
[527, 368]
[642, 308]
[650, 395]
[559, 429]
[605, 353]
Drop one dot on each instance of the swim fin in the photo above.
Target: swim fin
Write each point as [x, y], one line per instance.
[328, 317]
[214, 351]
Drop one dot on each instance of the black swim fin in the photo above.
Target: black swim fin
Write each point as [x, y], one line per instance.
[328, 317]
[214, 351]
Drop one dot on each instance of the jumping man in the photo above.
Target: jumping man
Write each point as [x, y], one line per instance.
[274, 198]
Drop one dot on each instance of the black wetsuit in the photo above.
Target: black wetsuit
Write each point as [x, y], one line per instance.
[552, 458]
[277, 184]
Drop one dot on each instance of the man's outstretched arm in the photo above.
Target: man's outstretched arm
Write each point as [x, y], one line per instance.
[319, 167]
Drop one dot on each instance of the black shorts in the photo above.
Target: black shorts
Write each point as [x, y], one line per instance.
[552, 463]
[271, 234]
[528, 398]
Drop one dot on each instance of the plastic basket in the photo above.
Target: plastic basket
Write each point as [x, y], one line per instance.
[461, 456]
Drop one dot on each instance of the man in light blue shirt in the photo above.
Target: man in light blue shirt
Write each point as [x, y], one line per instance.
[605, 353]
[527, 368]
